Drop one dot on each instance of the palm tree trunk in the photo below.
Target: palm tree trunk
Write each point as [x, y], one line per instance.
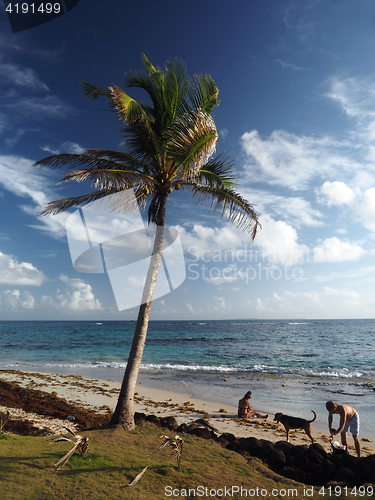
[124, 413]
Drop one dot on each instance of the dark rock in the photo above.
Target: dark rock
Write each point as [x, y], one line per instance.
[302, 461]
[226, 438]
[316, 472]
[349, 462]
[284, 446]
[329, 468]
[234, 445]
[267, 448]
[290, 460]
[365, 470]
[139, 418]
[252, 445]
[202, 432]
[153, 419]
[169, 422]
[182, 429]
[314, 457]
[319, 448]
[346, 476]
[277, 458]
[292, 473]
[299, 450]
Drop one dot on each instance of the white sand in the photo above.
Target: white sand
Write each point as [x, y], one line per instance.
[102, 395]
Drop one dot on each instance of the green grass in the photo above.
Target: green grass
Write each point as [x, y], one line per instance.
[114, 459]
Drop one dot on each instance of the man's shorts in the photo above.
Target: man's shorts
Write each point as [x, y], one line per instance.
[353, 425]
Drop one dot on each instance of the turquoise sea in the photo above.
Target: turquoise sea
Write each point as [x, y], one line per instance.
[291, 366]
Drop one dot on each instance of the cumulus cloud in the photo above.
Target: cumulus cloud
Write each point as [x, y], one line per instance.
[202, 241]
[278, 242]
[366, 209]
[335, 193]
[78, 296]
[336, 250]
[16, 300]
[13, 272]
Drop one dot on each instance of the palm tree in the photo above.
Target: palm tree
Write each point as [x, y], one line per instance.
[169, 144]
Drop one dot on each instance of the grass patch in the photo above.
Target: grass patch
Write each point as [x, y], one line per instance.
[115, 458]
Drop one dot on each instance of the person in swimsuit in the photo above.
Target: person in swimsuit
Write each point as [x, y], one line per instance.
[349, 419]
[245, 410]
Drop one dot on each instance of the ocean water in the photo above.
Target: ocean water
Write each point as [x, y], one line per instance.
[291, 366]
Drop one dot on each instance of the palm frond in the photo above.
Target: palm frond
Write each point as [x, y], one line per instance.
[176, 444]
[194, 139]
[82, 444]
[217, 172]
[111, 197]
[138, 477]
[94, 91]
[230, 204]
[203, 94]
[105, 179]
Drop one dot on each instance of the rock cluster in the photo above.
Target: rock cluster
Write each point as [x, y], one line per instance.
[306, 464]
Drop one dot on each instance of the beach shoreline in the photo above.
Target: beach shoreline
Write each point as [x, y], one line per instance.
[165, 400]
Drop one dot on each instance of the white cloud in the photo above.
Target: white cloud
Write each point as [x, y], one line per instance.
[13, 272]
[78, 296]
[346, 294]
[66, 147]
[278, 242]
[208, 242]
[335, 193]
[40, 108]
[19, 177]
[223, 133]
[220, 304]
[292, 161]
[336, 250]
[190, 308]
[15, 300]
[295, 210]
[285, 64]
[23, 77]
[355, 96]
[366, 209]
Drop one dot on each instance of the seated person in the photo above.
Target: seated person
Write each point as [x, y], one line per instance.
[245, 410]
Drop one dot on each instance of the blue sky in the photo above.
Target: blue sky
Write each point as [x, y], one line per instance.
[297, 116]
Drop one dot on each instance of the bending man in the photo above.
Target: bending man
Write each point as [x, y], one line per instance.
[349, 419]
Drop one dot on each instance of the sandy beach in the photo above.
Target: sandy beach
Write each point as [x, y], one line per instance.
[170, 400]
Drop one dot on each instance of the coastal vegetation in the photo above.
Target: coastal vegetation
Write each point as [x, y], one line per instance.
[115, 458]
[169, 144]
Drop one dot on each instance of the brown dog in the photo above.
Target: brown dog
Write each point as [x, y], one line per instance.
[295, 423]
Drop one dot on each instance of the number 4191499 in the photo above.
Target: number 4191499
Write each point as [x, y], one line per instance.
[337, 491]
[42, 8]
